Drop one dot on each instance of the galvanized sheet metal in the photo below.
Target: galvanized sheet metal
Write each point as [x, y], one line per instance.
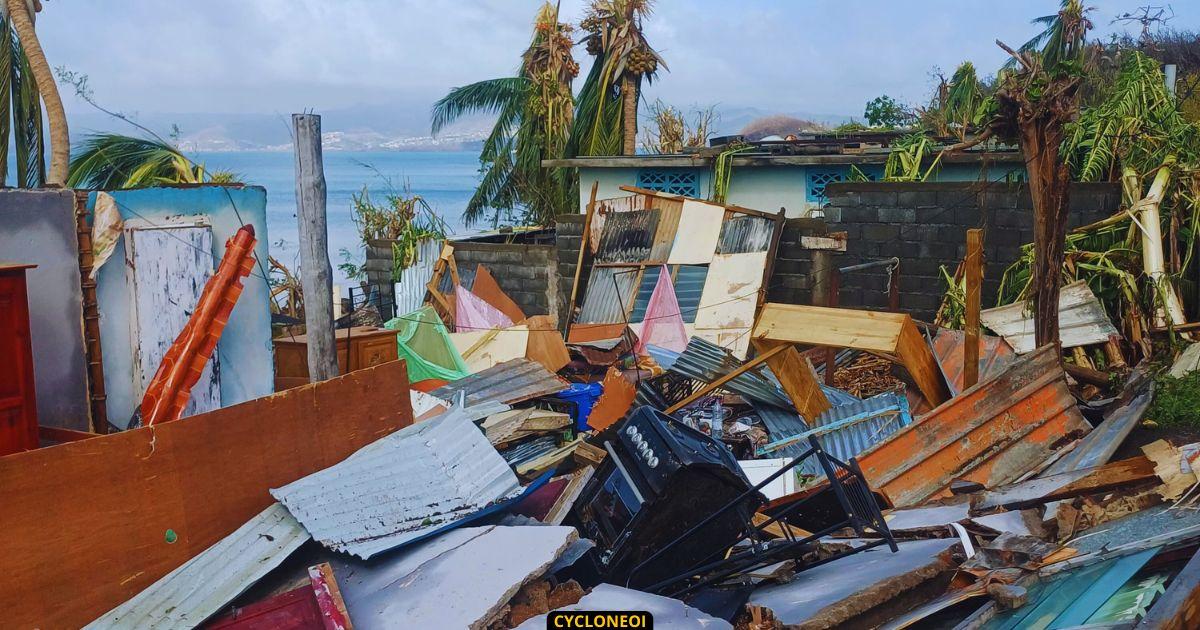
[400, 488]
[992, 434]
[1081, 320]
[994, 356]
[202, 586]
[411, 289]
[606, 208]
[510, 382]
[843, 431]
[745, 234]
[608, 291]
[628, 237]
[705, 361]
[668, 224]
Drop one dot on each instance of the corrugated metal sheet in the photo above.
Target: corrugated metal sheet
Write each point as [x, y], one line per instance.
[628, 237]
[410, 290]
[202, 586]
[510, 382]
[668, 225]
[843, 431]
[1081, 320]
[705, 361]
[994, 356]
[529, 451]
[992, 434]
[744, 234]
[607, 207]
[608, 291]
[396, 490]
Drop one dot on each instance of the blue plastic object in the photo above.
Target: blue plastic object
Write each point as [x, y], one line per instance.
[581, 396]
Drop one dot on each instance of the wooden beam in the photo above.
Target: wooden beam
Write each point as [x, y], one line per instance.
[316, 275]
[665, 195]
[974, 276]
[716, 384]
[797, 377]
[584, 248]
[861, 330]
[89, 524]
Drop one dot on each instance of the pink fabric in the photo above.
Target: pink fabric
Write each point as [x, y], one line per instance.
[663, 326]
[472, 313]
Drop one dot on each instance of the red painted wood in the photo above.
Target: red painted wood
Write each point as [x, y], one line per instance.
[18, 402]
[293, 610]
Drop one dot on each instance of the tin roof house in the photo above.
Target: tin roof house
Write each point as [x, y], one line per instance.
[773, 174]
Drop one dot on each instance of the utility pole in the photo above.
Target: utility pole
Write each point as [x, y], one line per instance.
[316, 274]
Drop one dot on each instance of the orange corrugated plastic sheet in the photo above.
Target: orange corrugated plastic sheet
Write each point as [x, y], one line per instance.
[180, 370]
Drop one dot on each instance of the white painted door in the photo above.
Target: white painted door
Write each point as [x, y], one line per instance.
[167, 268]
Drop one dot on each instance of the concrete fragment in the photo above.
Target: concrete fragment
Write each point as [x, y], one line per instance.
[1008, 596]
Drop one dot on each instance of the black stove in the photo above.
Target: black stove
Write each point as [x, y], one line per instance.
[661, 479]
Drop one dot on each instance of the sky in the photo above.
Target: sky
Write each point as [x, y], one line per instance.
[282, 56]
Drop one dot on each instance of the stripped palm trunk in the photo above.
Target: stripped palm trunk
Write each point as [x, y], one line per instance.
[629, 98]
[1049, 179]
[1169, 308]
[60, 144]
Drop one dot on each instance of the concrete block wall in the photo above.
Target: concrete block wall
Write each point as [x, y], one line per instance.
[569, 237]
[925, 224]
[527, 273]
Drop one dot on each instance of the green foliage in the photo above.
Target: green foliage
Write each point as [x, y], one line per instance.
[849, 127]
[1136, 125]
[1176, 401]
[20, 113]
[953, 312]
[906, 158]
[404, 219]
[533, 117]
[351, 269]
[885, 111]
[111, 161]
[723, 171]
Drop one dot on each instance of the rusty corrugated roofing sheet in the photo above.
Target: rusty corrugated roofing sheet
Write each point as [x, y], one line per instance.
[994, 356]
[629, 236]
[992, 433]
[402, 487]
[744, 234]
[202, 586]
[510, 382]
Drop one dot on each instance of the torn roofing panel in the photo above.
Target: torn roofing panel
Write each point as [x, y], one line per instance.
[705, 361]
[1081, 320]
[609, 292]
[202, 586]
[510, 382]
[606, 208]
[992, 433]
[402, 487]
[629, 237]
[844, 431]
[994, 356]
[744, 234]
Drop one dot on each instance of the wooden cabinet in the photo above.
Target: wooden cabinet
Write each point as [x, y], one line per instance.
[18, 402]
[357, 348]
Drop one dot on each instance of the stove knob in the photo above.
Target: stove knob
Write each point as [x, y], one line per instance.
[631, 430]
[644, 448]
[652, 462]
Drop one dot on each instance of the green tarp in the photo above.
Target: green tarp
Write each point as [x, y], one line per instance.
[424, 343]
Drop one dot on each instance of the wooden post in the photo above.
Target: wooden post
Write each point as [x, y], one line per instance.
[316, 275]
[974, 277]
[569, 316]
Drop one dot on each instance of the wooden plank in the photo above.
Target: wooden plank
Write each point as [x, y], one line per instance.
[665, 195]
[974, 273]
[316, 275]
[861, 330]
[836, 327]
[798, 379]
[89, 524]
[1032, 492]
[584, 248]
[716, 384]
[60, 435]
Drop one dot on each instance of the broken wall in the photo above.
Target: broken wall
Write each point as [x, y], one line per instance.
[527, 273]
[246, 366]
[925, 226]
[38, 227]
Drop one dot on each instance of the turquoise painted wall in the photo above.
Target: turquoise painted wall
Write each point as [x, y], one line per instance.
[766, 188]
[246, 353]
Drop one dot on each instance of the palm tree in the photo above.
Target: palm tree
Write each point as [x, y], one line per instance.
[111, 161]
[534, 111]
[20, 112]
[606, 116]
[35, 69]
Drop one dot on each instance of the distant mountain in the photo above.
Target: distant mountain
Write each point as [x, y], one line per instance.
[392, 127]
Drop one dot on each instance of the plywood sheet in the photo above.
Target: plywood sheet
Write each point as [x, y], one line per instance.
[698, 233]
[731, 291]
[89, 524]
[481, 349]
[546, 345]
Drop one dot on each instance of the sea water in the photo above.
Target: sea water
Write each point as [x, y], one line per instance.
[446, 180]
